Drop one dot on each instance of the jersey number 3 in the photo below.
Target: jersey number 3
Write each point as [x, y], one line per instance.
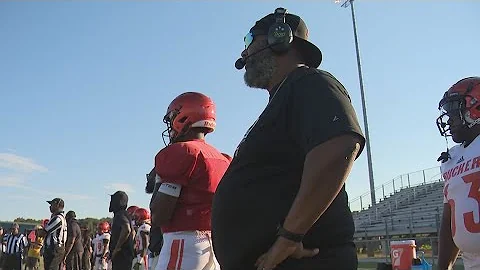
[474, 193]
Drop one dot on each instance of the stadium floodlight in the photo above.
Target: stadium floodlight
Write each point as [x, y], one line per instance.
[346, 4]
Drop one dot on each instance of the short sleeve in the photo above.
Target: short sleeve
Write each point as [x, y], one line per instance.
[175, 163]
[321, 109]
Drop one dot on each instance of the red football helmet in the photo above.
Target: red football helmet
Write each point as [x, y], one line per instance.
[463, 99]
[141, 215]
[103, 227]
[188, 110]
[131, 210]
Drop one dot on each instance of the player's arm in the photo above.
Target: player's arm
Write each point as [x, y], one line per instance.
[174, 166]
[71, 236]
[163, 204]
[146, 241]
[447, 250]
[105, 242]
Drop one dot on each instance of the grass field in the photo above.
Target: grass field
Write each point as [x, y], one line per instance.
[373, 265]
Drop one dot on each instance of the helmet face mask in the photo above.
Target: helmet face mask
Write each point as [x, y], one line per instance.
[170, 132]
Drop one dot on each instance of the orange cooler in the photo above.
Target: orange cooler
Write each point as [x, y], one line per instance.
[402, 253]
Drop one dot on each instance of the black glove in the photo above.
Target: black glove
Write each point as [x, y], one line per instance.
[150, 181]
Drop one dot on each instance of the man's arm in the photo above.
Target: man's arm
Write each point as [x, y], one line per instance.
[71, 236]
[447, 250]
[53, 224]
[326, 169]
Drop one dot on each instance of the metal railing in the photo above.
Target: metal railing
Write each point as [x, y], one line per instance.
[393, 186]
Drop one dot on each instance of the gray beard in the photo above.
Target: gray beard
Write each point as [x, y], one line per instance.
[260, 71]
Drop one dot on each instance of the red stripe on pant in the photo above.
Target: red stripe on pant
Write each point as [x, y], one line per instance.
[176, 254]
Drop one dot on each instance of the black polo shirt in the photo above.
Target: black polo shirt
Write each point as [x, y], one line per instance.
[259, 187]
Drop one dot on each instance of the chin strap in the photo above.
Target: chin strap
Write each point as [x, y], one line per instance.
[444, 156]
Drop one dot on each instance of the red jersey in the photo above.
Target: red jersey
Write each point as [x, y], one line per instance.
[198, 167]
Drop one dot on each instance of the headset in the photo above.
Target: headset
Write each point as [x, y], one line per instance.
[280, 35]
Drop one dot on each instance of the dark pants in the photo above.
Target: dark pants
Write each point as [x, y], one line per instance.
[87, 261]
[122, 262]
[334, 258]
[338, 258]
[74, 261]
[13, 262]
[53, 257]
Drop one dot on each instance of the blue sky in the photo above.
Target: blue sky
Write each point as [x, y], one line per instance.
[84, 86]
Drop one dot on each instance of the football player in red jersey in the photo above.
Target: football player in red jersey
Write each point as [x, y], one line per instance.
[188, 171]
[460, 227]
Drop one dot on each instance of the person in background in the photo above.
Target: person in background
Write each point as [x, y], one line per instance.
[121, 241]
[73, 248]
[142, 238]
[34, 249]
[87, 249]
[100, 246]
[16, 247]
[3, 246]
[56, 230]
[156, 235]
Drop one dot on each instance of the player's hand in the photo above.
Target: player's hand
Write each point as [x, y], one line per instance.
[281, 250]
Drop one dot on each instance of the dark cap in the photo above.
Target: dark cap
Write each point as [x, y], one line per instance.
[70, 214]
[311, 53]
[57, 201]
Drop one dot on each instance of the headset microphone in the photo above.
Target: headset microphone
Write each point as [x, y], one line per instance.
[241, 62]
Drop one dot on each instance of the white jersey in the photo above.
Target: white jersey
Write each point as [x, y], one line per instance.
[97, 243]
[462, 192]
[145, 228]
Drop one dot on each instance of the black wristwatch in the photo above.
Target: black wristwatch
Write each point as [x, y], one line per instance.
[295, 237]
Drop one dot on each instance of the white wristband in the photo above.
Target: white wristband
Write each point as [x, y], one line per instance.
[170, 189]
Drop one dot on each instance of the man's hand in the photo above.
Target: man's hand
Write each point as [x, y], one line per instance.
[281, 250]
[115, 252]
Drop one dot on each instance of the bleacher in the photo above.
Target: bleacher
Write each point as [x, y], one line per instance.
[411, 210]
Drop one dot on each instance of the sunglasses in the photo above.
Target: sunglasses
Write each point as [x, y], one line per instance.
[248, 39]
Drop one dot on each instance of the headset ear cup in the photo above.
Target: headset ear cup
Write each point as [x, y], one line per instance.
[280, 37]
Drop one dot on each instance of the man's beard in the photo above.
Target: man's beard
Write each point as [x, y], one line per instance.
[260, 70]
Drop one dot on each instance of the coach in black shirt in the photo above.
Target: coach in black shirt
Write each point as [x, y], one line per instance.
[121, 241]
[282, 202]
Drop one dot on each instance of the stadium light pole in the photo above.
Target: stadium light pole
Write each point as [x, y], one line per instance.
[346, 4]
